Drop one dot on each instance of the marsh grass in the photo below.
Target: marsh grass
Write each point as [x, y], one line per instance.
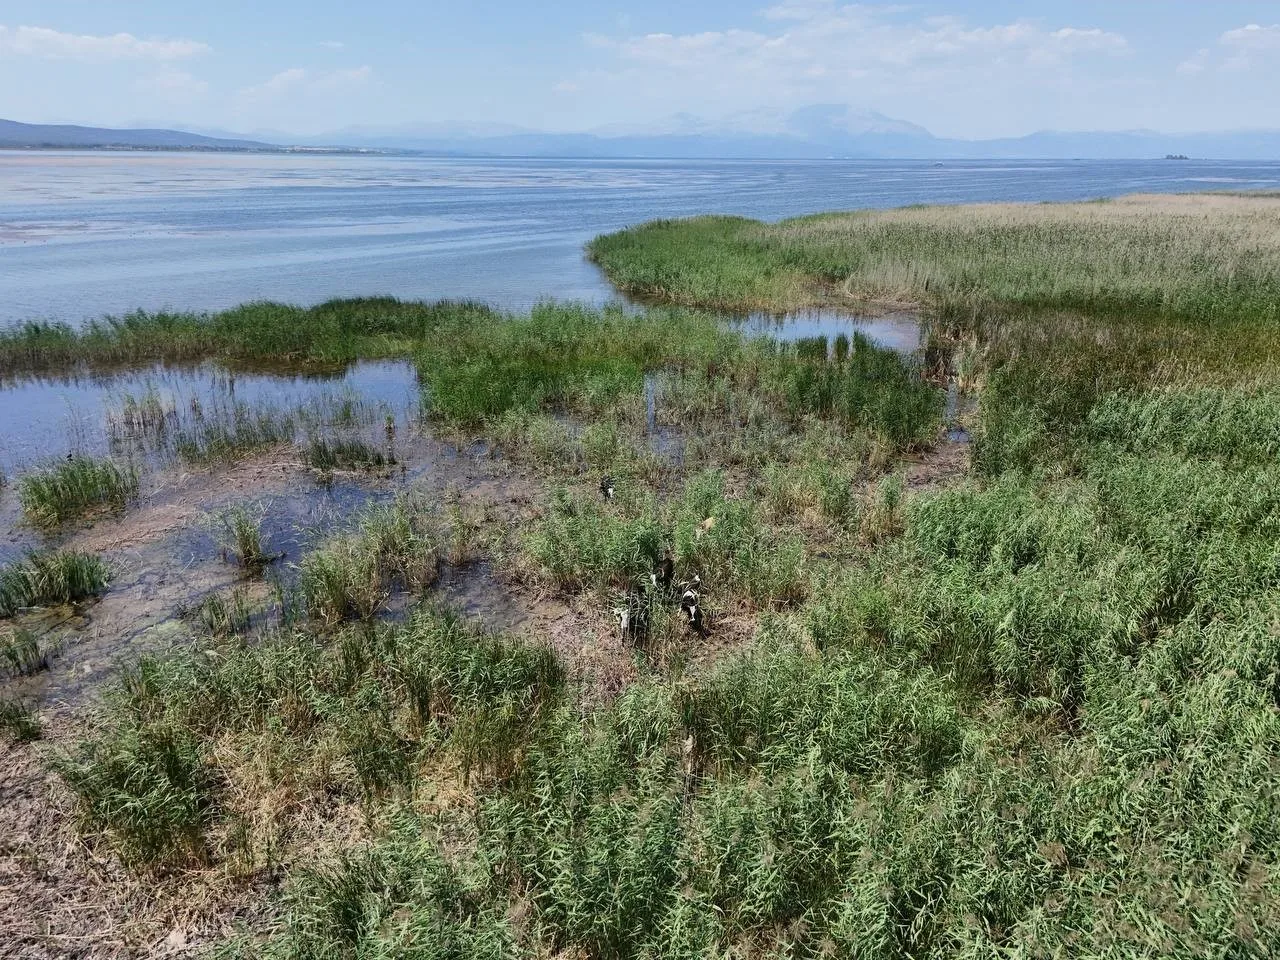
[403, 890]
[327, 455]
[335, 332]
[1030, 713]
[75, 488]
[583, 543]
[145, 420]
[223, 616]
[22, 654]
[50, 577]
[18, 723]
[396, 547]
[1200, 258]
[559, 358]
[351, 719]
[238, 531]
[224, 434]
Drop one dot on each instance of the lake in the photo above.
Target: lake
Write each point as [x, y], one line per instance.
[86, 234]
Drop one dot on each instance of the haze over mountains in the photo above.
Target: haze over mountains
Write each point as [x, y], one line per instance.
[815, 132]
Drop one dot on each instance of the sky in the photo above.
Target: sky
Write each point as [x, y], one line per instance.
[973, 70]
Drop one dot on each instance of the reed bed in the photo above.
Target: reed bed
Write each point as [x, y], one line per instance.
[592, 364]
[1198, 258]
[356, 717]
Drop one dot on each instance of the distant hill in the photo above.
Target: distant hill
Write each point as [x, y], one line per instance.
[818, 131]
[15, 134]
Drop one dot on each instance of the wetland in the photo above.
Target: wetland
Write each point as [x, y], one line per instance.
[363, 629]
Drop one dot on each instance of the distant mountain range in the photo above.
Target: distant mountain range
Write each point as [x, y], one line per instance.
[14, 134]
[815, 132]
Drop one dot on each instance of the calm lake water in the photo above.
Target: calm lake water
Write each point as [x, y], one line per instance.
[84, 234]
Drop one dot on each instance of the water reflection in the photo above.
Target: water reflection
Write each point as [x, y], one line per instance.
[899, 331]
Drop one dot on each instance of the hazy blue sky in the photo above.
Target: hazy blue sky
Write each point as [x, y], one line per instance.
[961, 69]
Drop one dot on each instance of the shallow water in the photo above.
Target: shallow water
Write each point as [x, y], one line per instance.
[159, 575]
[91, 233]
[899, 331]
[44, 418]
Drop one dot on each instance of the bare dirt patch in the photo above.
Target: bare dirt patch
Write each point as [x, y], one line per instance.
[943, 465]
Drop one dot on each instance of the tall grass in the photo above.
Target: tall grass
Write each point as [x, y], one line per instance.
[355, 574]
[580, 542]
[349, 719]
[1032, 713]
[74, 488]
[51, 577]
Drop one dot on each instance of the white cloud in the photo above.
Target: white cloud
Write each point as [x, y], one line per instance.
[823, 38]
[333, 44]
[301, 81]
[566, 86]
[55, 45]
[1238, 50]
[1253, 37]
[956, 75]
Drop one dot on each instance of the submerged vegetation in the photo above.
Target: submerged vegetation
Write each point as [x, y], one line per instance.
[1028, 711]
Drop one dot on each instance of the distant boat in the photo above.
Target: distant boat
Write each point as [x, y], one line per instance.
[1176, 156]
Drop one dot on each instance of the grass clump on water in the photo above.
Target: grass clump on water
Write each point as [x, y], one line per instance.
[75, 488]
[51, 577]
[22, 654]
[328, 455]
[238, 531]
